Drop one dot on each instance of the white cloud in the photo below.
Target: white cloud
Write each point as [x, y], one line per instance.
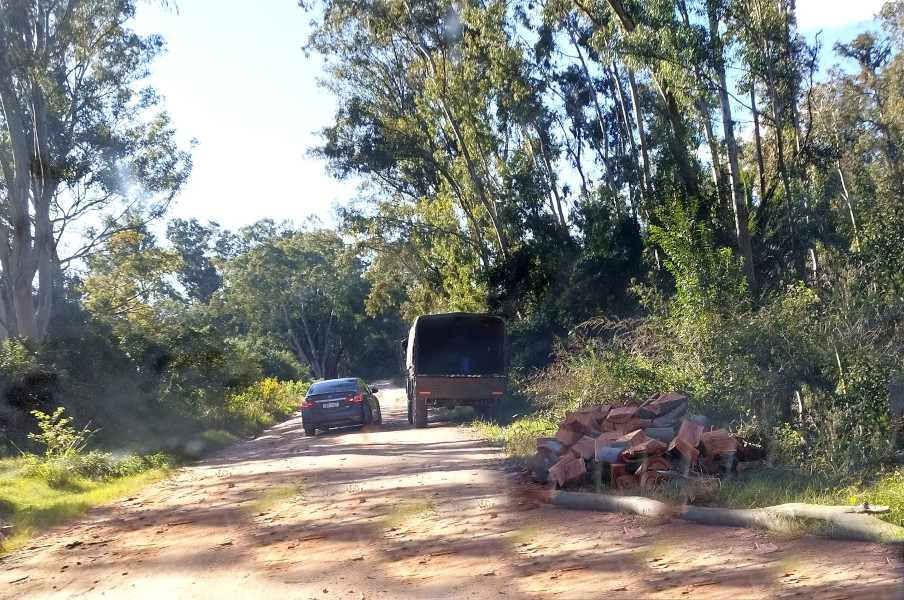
[823, 14]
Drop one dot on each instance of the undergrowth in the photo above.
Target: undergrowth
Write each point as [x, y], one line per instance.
[753, 489]
[35, 495]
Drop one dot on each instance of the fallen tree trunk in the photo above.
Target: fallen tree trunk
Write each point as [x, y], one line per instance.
[846, 522]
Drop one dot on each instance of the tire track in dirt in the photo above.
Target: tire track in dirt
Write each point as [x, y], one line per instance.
[396, 512]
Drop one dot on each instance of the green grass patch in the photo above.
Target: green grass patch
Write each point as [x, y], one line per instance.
[31, 503]
[754, 489]
[405, 511]
[885, 488]
[519, 439]
[266, 499]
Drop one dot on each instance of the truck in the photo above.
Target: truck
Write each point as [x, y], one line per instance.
[456, 359]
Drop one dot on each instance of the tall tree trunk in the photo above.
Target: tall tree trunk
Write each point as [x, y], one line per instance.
[739, 202]
[610, 180]
[847, 200]
[641, 138]
[758, 140]
[629, 134]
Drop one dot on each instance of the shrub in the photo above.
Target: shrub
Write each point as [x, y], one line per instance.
[260, 404]
[57, 436]
[71, 470]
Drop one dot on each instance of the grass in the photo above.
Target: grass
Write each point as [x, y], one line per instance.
[30, 504]
[265, 500]
[754, 489]
[405, 511]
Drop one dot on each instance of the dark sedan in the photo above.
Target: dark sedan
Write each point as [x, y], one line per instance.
[339, 403]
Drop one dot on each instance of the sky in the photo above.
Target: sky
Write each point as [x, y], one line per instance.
[234, 77]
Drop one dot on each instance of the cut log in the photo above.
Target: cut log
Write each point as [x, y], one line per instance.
[606, 439]
[568, 471]
[554, 445]
[689, 432]
[654, 463]
[616, 470]
[648, 445]
[621, 414]
[584, 448]
[718, 442]
[597, 413]
[844, 522]
[627, 482]
[541, 463]
[663, 434]
[635, 423]
[690, 453]
[581, 421]
[568, 436]
[609, 454]
[649, 479]
[628, 439]
[671, 418]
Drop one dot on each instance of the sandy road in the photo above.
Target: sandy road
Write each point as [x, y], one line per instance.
[395, 512]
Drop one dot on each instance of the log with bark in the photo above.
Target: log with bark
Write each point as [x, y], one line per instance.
[844, 522]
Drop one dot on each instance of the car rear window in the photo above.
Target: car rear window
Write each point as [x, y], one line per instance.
[325, 387]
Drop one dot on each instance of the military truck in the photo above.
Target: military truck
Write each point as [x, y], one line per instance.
[455, 359]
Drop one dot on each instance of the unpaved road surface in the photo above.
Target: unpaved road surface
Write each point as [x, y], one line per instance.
[395, 512]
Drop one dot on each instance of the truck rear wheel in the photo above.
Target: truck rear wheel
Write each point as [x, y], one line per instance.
[420, 413]
[494, 409]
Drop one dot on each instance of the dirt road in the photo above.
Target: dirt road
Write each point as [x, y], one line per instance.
[395, 512]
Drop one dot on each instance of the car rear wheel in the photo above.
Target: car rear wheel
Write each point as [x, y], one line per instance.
[368, 417]
[309, 431]
[420, 413]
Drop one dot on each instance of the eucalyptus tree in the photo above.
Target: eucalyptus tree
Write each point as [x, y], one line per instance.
[302, 290]
[777, 62]
[439, 116]
[81, 145]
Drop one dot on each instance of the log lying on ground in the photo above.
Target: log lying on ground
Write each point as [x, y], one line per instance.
[845, 522]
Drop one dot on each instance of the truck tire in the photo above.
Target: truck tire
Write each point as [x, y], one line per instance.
[410, 412]
[420, 413]
[494, 409]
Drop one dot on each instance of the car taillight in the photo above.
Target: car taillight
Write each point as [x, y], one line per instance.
[355, 398]
[305, 403]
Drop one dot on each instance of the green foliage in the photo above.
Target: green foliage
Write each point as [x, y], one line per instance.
[77, 151]
[57, 436]
[260, 404]
[75, 471]
[34, 498]
[519, 438]
[15, 359]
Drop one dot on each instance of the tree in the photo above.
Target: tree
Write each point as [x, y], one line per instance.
[303, 290]
[79, 144]
[128, 281]
[194, 242]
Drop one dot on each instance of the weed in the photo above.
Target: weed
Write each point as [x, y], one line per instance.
[405, 511]
[57, 436]
[30, 503]
[267, 499]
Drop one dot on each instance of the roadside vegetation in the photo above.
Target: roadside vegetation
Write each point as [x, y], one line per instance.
[655, 195]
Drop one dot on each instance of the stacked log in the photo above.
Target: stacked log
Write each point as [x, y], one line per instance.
[636, 444]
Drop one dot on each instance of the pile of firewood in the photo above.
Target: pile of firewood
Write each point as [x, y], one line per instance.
[636, 444]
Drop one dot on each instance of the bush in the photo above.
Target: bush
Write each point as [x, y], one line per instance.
[260, 404]
[68, 471]
[57, 436]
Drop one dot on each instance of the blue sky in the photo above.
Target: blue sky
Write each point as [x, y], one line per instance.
[234, 77]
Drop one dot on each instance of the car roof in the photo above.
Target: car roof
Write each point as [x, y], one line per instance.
[334, 385]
